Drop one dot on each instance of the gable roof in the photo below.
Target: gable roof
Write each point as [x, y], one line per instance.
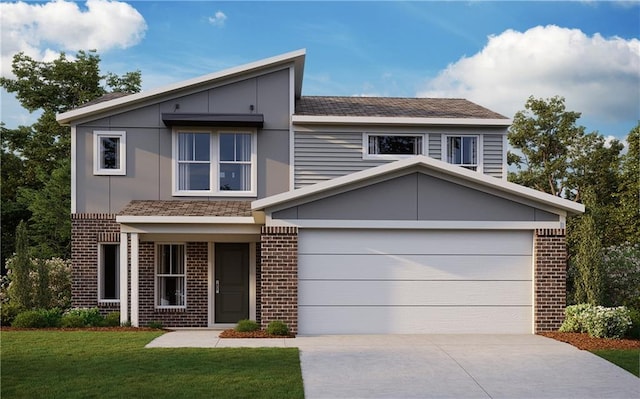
[393, 107]
[115, 102]
[313, 191]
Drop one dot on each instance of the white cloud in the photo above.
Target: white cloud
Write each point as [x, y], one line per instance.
[218, 18]
[598, 76]
[42, 30]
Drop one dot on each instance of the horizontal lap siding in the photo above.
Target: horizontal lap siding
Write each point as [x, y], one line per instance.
[324, 156]
[492, 155]
[403, 281]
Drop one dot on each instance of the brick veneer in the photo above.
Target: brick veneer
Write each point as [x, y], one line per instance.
[279, 276]
[87, 231]
[550, 272]
[196, 312]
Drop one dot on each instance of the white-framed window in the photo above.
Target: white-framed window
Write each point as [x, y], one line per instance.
[393, 146]
[462, 150]
[109, 153]
[171, 276]
[214, 162]
[109, 272]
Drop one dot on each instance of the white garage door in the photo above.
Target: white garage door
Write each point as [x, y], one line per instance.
[410, 281]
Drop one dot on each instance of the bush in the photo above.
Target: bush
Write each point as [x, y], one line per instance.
[41, 318]
[155, 324]
[90, 317]
[634, 330]
[72, 321]
[277, 327]
[112, 319]
[247, 326]
[597, 321]
[8, 313]
[622, 270]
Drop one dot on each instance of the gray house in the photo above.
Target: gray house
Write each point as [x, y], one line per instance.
[232, 196]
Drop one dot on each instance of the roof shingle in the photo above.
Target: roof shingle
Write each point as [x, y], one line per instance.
[187, 208]
[393, 107]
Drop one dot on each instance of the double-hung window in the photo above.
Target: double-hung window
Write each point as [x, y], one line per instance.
[109, 272]
[109, 153]
[393, 146]
[215, 163]
[462, 151]
[171, 277]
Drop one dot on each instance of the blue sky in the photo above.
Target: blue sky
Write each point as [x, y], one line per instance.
[493, 53]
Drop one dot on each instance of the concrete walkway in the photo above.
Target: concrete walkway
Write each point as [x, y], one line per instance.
[438, 366]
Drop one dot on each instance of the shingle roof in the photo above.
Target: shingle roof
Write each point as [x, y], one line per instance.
[393, 107]
[105, 97]
[187, 208]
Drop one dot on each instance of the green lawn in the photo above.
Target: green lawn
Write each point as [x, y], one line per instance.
[99, 364]
[628, 359]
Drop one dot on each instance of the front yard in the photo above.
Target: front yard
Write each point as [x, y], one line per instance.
[115, 364]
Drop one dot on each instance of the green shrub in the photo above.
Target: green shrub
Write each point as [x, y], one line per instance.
[597, 321]
[72, 320]
[8, 313]
[155, 324]
[277, 327]
[39, 318]
[634, 330]
[247, 326]
[91, 317]
[112, 319]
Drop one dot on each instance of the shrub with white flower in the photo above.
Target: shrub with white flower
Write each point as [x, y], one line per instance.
[597, 321]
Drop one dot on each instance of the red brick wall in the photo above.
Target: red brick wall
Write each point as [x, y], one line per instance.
[279, 276]
[87, 231]
[550, 275]
[196, 312]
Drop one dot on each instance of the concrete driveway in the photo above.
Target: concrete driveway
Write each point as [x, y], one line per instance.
[439, 366]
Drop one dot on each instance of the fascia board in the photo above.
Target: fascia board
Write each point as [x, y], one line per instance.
[375, 120]
[443, 167]
[297, 57]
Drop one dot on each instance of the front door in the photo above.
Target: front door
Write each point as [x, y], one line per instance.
[231, 287]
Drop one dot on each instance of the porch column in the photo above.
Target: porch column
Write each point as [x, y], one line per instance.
[135, 295]
[124, 261]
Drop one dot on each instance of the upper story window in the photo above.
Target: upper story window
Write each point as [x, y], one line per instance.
[393, 146]
[109, 153]
[220, 163]
[463, 151]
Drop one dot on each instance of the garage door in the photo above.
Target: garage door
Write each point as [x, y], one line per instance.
[411, 281]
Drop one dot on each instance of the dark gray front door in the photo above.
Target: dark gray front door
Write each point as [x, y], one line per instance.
[231, 282]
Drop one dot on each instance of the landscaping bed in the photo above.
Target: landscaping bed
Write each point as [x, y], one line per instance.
[231, 333]
[585, 342]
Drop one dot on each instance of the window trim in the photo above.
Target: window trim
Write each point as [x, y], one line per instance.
[101, 298]
[479, 151]
[214, 162]
[97, 154]
[156, 276]
[367, 155]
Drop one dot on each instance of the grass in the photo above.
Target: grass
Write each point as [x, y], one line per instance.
[99, 364]
[628, 359]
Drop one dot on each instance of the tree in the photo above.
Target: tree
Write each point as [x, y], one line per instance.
[629, 189]
[589, 277]
[39, 154]
[21, 267]
[545, 135]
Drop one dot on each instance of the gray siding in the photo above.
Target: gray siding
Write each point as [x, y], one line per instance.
[435, 146]
[324, 156]
[149, 143]
[416, 196]
[492, 155]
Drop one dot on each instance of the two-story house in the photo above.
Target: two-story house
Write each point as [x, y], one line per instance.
[232, 196]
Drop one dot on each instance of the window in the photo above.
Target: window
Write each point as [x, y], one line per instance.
[215, 163]
[170, 275]
[109, 155]
[393, 146]
[109, 272]
[463, 151]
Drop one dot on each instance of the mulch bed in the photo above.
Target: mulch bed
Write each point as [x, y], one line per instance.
[231, 333]
[585, 342]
